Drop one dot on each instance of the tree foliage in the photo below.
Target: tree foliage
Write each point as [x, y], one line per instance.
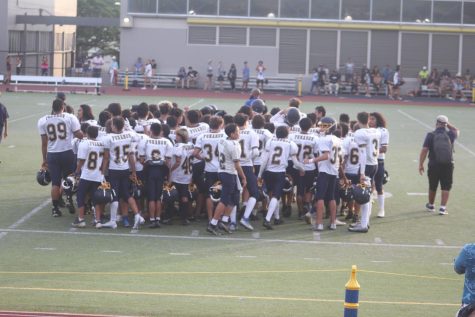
[106, 39]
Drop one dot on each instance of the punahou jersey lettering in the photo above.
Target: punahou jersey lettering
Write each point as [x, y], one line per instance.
[307, 145]
[383, 142]
[248, 140]
[229, 153]
[119, 146]
[351, 152]
[264, 136]
[369, 138]
[280, 152]
[195, 132]
[59, 129]
[183, 173]
[156, 149]
[332, 145]
[208, 144]
[91, 152]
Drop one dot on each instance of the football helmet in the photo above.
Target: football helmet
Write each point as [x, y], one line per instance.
[346, 192]
[386, 177]
[288, 183]
[327, 125]
[69, 185]
[192, 192]
[136, 187]
[292, 117]
[104, 194]
[43, 177]
[169, 193]
[258, 106]
[261, 187]
[361, 193]
[215, 192]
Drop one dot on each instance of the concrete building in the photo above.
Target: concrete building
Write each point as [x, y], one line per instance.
[33, 42]
[294, 36]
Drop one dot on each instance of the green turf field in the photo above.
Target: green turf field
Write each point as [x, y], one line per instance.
[405, 260]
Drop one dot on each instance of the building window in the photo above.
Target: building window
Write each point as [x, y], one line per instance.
[447, 11]
[234, 7]
[172, 6]
[469, 13]
[204, 7]
[202, 35]
[416, 11]
[325, 9]
[294, 8]
[143, 6]
[262, 37]
[232, 36]
[355, 9]
[386, 10]
[264, 8]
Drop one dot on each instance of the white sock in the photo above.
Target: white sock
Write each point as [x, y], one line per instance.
[442, 207]
[381, 202]
[225, 219]
[251, 203]
[233, 214]
[365, 214]
[277, 212]
[214, 222]
[114, 208]
[273, 205]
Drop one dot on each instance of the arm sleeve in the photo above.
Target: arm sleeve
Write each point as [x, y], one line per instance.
[459, 264]
[82, 151]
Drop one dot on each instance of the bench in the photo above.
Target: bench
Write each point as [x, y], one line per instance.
[273, 84]
[345, 88]
[75, 84]
[431, 92]
[161, 80]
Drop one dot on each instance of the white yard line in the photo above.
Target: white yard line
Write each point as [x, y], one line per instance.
[3, 235]
[432, 128]
[27, 117]
[196, 103]
[30, 214]
[416, 194]
[439, 242]
[45, 249]
[180, 254]
[210, 238]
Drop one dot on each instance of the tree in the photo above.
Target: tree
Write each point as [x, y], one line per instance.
[104, 39]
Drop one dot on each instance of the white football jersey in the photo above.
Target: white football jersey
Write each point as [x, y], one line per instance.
[92, 152]
[141, 137]
[183, 173]
[307, 145]
[331, 144]
[208, 144]
[248, 140]
[59, 129]
[383, 142]
[264, 136]
[195, 132]
[370, 139]
[119, 146]
[229, 152]
[280, 152]
[350, 151]
[156, 149]
[75, 143]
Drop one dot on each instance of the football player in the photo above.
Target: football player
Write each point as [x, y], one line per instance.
[368, 140]
[229, 169]
[119, 162]
[181, 171]
[376, 120]
[275, 159]
[249, 142]
[307, 145]
[206, 148]
[155, 153]
[89, 164]
[351, 168]
[57, 131]
[329, 158]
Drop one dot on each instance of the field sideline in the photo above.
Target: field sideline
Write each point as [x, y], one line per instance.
[405, 260]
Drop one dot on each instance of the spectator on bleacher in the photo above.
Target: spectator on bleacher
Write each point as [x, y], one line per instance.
[221, 74]
[334, 82]
[349, 69]
[315, 82]
[387, 74]
[18, 65]
[445, 72]
[3, 122]
[322, 76]
[8, 75]
[246, 75]
[434, 79]
[180, 77]
[260, 78]
[232, 75]
[355, 85]
[458, 87]
[191, 77]
[365, 79]
[445, 87]
[396, 84]
[138, 66]
[114, 71]
[147, 76]
[154, 80]
[97, 63]
[209, 76]
[467, 79]
[423, 76]
[377, 79]
[44, 66]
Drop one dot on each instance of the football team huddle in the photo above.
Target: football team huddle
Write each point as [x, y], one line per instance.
[163, 162]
